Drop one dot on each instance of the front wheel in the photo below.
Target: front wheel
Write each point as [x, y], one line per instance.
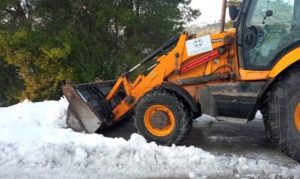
[162, 117]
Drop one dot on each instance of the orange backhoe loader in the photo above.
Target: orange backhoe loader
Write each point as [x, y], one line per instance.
[229, 75]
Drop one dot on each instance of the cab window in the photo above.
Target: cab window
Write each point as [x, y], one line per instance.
[272, 25]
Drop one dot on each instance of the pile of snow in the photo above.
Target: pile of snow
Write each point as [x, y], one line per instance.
[35, 143]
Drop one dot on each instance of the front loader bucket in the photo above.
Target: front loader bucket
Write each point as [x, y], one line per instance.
[88, 110]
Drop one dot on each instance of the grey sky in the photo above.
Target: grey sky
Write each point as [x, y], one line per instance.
[210, 9]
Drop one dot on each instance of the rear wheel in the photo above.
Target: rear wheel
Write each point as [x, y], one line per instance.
[282, 113]
[162, 117]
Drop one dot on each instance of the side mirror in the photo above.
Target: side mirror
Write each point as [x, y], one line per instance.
[269, 13]
[233, 12]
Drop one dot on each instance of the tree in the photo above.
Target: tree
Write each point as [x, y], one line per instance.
[11, 85]
[236, 3]
[37, 53]
[47, 41]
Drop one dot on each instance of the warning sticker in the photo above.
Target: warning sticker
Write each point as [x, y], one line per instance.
[198, 45]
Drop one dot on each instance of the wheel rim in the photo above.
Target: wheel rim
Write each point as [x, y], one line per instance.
[297, 117]
[159, 120]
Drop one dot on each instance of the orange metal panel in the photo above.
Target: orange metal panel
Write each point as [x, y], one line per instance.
[168, 70]
[285, 62]
[248, 75]
[280, 66]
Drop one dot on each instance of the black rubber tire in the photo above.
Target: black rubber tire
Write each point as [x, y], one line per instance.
[278, 110]
[183, 116]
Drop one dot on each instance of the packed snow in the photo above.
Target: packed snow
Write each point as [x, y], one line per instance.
[36, 143]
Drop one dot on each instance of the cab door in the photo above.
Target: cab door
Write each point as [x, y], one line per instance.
[268, 30]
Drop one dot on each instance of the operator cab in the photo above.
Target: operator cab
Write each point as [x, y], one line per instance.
[267, 29]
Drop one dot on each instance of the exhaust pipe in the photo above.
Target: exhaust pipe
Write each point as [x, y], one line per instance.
[223, 17]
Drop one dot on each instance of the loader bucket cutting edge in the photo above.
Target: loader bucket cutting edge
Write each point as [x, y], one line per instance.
[88, 110]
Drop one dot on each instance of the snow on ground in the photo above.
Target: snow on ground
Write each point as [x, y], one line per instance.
[35, 143]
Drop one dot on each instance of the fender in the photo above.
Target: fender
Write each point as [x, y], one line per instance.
[183, 93]
[285, 61]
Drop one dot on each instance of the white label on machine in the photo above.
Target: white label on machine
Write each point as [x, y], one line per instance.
[198, 45]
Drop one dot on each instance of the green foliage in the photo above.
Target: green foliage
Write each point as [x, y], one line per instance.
[11, 85]
[43, 42]
[39, 61]
[236, 3]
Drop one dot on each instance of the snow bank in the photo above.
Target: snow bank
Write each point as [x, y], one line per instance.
[35, 143]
